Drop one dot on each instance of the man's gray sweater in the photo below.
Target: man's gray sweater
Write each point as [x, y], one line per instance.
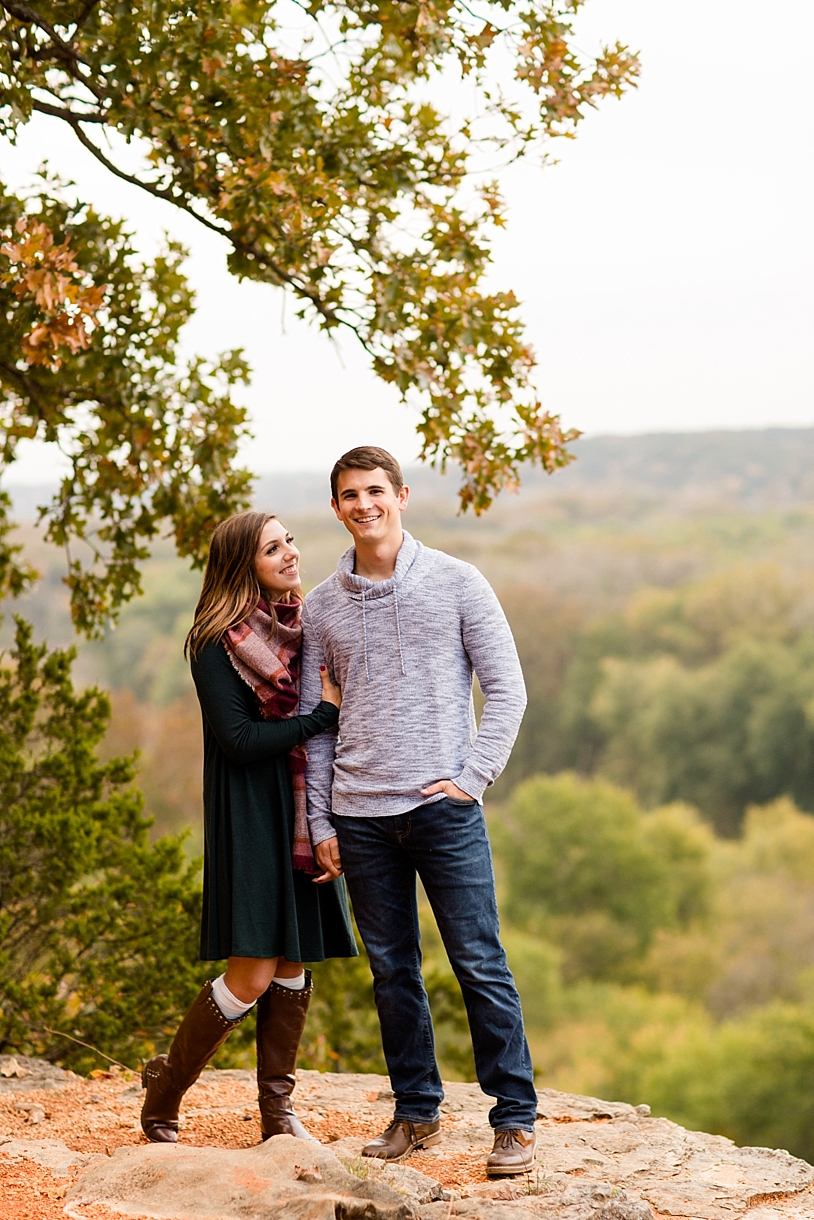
[403, 652]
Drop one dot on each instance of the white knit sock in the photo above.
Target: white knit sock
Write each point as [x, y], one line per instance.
[295, 984]
[229, 1004]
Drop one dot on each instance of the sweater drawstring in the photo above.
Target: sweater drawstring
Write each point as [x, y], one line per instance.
[398, 632]
[398, 628]
[364, 633]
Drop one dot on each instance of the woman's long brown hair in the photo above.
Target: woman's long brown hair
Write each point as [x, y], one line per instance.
[230, 589]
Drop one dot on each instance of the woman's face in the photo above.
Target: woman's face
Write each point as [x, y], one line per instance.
[277, 562]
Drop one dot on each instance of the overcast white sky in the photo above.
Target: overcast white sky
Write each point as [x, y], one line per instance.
[665, 264]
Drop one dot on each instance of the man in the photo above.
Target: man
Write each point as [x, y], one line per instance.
[402, 628]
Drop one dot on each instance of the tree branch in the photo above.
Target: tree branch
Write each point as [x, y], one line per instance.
[70, 116]
[157, 191]
[23, 382]
[27, 16]
[68, 54]
[244, 247]
[90, 5]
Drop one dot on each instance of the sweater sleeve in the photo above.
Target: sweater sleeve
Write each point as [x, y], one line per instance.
[319, 774]
[490, 647]
[227, 711]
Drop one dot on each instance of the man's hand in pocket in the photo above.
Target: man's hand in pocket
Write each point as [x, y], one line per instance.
[449, 789]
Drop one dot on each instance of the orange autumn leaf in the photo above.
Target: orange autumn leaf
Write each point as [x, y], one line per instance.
[46, 273]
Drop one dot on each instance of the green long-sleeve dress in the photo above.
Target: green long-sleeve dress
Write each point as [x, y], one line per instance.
[254, 903]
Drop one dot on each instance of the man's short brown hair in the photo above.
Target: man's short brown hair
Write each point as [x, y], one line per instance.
[368, 457]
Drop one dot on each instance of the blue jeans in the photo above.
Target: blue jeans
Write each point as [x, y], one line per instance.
[447, 846]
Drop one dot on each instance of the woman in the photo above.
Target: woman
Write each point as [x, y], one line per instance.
[261, 907]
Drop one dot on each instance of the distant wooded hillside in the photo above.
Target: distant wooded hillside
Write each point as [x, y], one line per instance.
[772, 466]
[769, 466]
[754, 469]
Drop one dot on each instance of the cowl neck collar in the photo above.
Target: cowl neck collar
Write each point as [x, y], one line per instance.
[361, 588]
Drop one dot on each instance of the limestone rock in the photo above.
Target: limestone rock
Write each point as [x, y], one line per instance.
[580, 1202]
[284, 1177]
[414, 1186]
[50, 1154]
[19, 1073]
[597, 1160]
[559, 1106]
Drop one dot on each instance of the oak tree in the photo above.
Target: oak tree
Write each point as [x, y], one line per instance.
[89, 362]
[310, 137]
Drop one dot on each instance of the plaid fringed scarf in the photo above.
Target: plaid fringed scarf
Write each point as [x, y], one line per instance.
[269, 662]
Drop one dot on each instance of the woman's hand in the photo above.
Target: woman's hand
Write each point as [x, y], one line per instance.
[330, 691]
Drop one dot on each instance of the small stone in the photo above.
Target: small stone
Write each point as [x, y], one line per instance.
[29, 1075]
[35, 1113]
[10, 1067]
[311, 1176]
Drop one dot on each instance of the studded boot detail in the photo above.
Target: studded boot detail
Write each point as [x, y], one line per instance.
[167, 1077]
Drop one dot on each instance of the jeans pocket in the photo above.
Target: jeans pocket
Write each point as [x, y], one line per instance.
[454, 800]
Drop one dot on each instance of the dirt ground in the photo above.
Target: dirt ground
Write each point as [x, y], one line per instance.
[30, 1193]
[102, 1114]
[589, 1151]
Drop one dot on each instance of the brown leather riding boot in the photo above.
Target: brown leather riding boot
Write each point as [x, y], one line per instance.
[167, 1077]
[281, 1015]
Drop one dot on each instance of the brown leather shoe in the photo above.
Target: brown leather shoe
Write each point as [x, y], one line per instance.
[281, 1015]
[513, 1153]
[401, 1138]
[167, 1077]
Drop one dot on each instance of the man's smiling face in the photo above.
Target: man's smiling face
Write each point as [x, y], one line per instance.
[369, 506]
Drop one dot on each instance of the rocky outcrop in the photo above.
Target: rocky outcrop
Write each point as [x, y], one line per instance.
[285, 1178]
[18, 1074]
[597, 1161]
